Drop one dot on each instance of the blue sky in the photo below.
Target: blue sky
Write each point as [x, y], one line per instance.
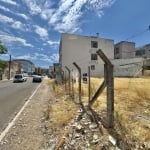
[31, 29]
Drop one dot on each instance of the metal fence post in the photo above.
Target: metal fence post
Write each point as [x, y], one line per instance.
[110, 96]
[72, 85]
[69, 79]
[89, 83]
[109, 80]
[79, 70]
[65, 80]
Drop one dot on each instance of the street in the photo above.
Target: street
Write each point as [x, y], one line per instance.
[12, 98]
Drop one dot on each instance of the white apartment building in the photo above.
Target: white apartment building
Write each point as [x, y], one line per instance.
[82, 51]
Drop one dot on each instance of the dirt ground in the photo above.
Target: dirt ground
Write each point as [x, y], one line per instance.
[49, 120]
[28, 131]
[131, 115]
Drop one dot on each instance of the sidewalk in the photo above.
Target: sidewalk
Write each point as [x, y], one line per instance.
[28, 131]
[6, 80]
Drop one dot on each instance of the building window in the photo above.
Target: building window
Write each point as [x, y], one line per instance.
[94, 44]
[92, 67]
[140, 52]
[116, 53]
[117, 50]
[93, 56]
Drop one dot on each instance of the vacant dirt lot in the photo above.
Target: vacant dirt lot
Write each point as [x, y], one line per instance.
[50, 121]
[132, 108]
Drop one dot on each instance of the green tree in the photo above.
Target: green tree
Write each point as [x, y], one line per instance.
[3, 49]
[3, 65]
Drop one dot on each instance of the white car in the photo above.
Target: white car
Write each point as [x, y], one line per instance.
[19, 78]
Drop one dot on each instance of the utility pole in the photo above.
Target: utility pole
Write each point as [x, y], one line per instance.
[9, 66]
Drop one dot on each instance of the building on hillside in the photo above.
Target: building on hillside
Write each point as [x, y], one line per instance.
[124, 50]
[27, 66]
[143, 51]
[38, 70]
[15, 67]
[41, 71]
[82, 51]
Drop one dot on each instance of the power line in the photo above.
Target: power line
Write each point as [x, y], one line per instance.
[139, 33]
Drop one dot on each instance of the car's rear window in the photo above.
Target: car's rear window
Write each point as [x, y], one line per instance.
[18, 76]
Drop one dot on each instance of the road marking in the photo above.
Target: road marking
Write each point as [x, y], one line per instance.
[2, 135]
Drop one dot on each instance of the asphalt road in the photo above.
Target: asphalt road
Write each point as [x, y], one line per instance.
[12, 98]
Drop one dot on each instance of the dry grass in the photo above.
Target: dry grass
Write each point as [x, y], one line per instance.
[132, 105]
[62, 110]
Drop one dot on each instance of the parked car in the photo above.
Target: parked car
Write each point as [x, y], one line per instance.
[19, 78]
[37, 78]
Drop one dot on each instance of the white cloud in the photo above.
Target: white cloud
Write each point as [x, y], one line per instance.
[23, 16]
[48, 3]
[5, 19]
[97, 6]
[61, 15]
[49, 59]
[40, 49]
[64, 6]
[14, 24]
[42, 32]
[67, 17]
[18, 14]
[17, 25]
[5, 9]
[12, 39]
[33, 7]
[27, 57]
[43, 8]
[51, 43]
[54, 57]
[46, 13]
[9, 2]
[70, 21]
